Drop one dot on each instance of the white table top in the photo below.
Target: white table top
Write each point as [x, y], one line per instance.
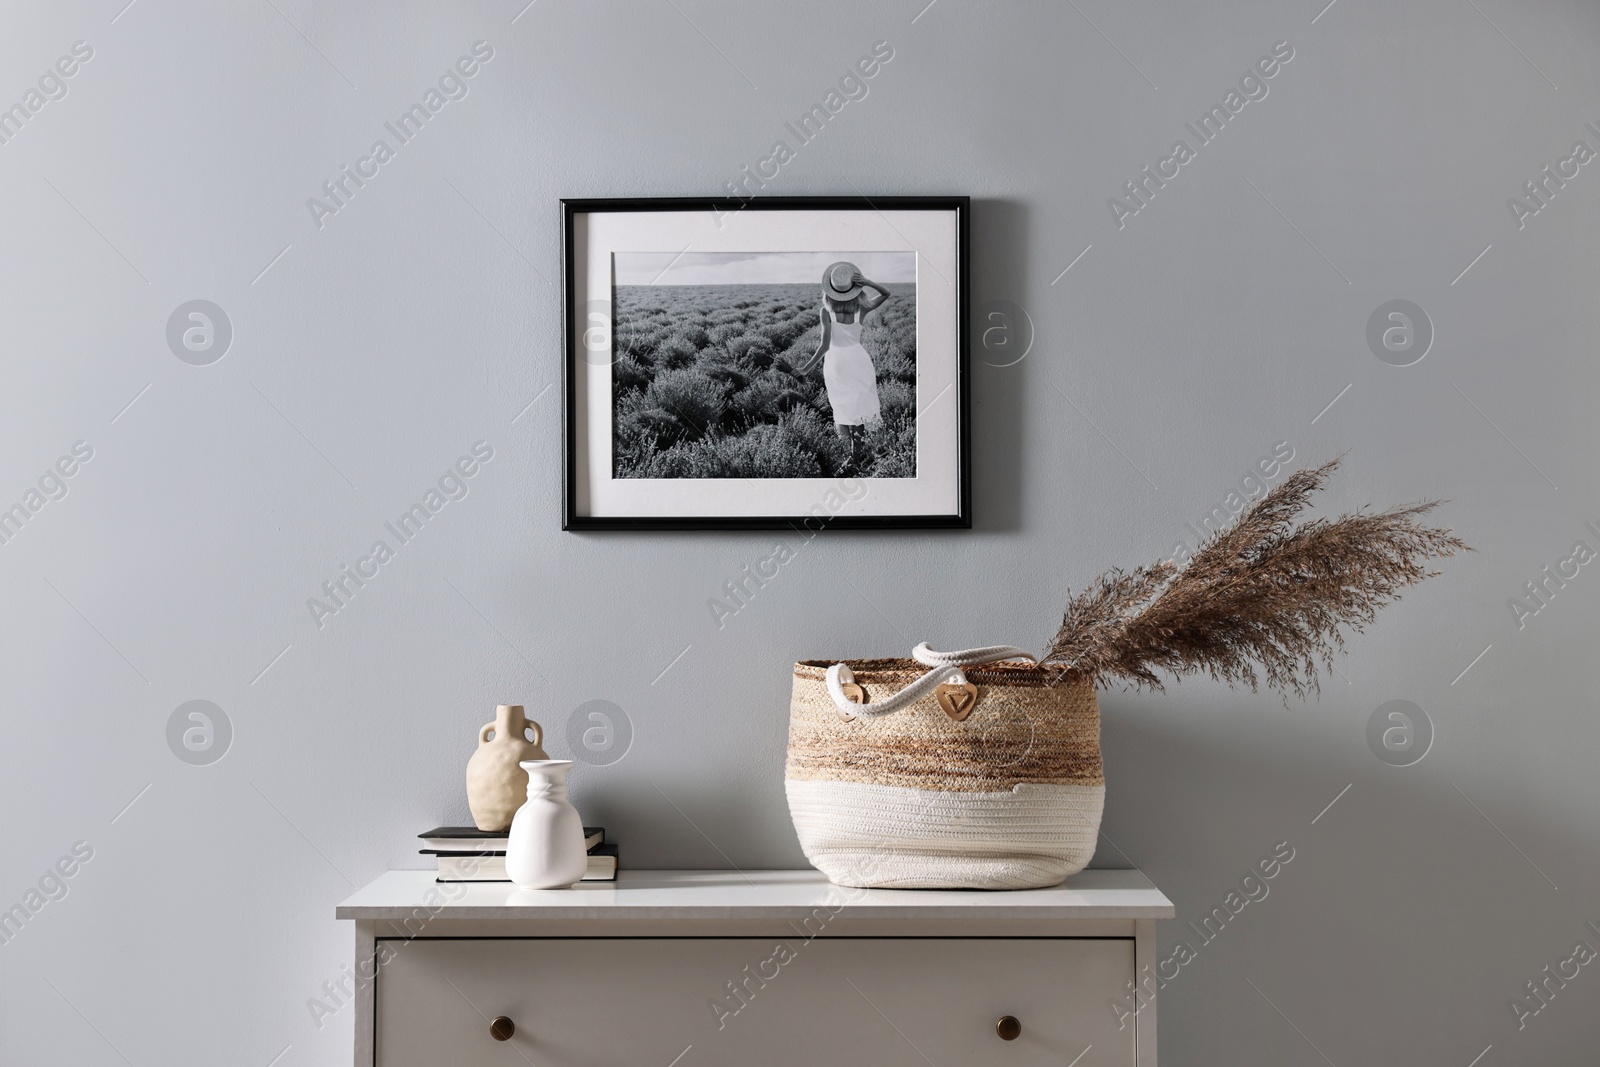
[1093, 894]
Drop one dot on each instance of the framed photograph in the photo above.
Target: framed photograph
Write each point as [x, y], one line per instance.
[766, 363]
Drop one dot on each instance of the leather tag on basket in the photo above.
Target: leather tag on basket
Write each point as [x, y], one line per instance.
[957, 700]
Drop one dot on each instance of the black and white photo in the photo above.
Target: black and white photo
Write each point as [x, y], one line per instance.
[765, 365]
[733, 363]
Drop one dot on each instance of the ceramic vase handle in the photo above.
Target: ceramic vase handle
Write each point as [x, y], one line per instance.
[483, 734]
[538, 732]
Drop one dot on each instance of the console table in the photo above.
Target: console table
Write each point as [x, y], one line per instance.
[693, 968]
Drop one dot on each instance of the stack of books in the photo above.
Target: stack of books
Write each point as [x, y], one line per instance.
[468, 854]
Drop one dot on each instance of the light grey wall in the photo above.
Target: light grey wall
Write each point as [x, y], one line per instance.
[1221, 319]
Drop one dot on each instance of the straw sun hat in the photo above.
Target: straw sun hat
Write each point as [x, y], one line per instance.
[841, 280]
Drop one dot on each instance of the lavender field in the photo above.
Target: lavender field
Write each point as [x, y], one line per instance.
[707, 384]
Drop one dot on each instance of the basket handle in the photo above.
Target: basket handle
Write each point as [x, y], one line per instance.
[946, 667]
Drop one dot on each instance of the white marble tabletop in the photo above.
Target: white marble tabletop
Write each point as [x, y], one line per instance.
[1092, 894]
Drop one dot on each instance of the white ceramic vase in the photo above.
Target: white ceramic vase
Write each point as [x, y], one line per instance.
[545, 850]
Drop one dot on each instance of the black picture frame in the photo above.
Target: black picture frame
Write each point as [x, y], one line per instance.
[571, 208]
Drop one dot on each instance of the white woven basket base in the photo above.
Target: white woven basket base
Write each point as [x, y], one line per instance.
[884, 836]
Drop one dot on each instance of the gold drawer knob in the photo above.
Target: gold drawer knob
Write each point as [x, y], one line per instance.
[502, 1028]
[1008, 1028]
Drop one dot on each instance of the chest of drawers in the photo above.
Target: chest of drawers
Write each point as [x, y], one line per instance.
[779, 968]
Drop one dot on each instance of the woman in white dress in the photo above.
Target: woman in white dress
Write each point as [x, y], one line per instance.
[847, 368]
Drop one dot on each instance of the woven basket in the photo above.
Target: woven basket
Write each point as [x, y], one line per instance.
[976, 777]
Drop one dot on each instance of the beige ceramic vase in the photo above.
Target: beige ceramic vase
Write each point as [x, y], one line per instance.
[496, 786]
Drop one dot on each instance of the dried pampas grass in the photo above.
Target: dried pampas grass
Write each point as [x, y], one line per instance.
[1261, 601]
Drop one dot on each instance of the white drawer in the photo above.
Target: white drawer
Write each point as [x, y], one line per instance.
[641, 1002]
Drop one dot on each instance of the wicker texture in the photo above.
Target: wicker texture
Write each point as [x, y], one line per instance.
[1022, 730]
[1008, 798]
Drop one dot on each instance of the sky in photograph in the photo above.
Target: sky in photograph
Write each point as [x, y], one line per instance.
[756, 268]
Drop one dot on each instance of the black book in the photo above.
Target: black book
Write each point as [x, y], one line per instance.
[468, 839]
